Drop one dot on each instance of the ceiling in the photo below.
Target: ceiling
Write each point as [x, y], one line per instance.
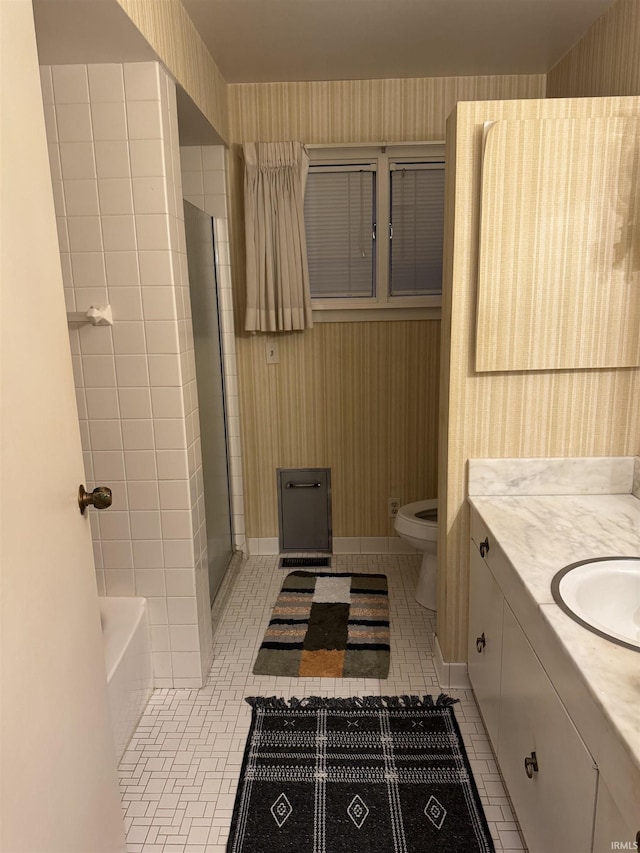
[282, 40]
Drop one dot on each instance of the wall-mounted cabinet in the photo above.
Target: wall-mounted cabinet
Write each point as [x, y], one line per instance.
[559, 255]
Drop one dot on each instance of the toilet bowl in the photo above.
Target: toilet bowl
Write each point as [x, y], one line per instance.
[417, 523]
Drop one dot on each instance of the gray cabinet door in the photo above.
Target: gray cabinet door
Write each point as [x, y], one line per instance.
[304, 509]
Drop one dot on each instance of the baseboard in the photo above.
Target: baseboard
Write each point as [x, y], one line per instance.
[451, 676]
[341, 545]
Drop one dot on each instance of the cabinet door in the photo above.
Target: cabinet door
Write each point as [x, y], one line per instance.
[485, 641]
[612, 827]
[556, 805]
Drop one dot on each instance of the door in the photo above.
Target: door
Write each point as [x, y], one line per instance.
[58, 777]
[210, 380]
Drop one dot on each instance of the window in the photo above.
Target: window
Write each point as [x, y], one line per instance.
[374, 222]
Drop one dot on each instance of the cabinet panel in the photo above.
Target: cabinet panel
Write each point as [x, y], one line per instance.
[611, 826]
[485, 641]
[556, 805]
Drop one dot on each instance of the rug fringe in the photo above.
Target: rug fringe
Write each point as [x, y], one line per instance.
[340, 703]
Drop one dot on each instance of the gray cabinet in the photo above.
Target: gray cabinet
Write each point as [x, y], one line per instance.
[304, 509]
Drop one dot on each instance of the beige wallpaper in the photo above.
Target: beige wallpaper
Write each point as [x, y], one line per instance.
[606, 60]
[358, 397]
[559, 413]
[171, 33]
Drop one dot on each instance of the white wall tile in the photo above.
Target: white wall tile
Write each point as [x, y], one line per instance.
[88, 269]
[144, 120]
[116, 196]
[46, 84]
[119, 582]
[167, 403]
[128, 338]
[118, 233]
[158, 303]
[143, 495]
[169, 434]
[112, 159]
[213, 157]
[161, 337]
[178, 554]
[122, 271]
[102, 403]
[191, 158]
[150, 582]
[140, 464]
[99, 371]
[184, 638]
[149, 195]
[70, 84]
[137, 434]
[182, 611]
[106, 82]
[192, 184]
[51, 126]
[155, 269]
[147, 158]
[176, 524]
[172, 465]
[85, 234]
[174, 494]
[134, 402]
[105, 435]
[73, 122]
[81, 198]
[109, 121]
[131, 371]
[159, 638]
[164, 370]
[187, 665]
[148, 555]
[108, 466]
[114, 525]
[117, 554]
[145, 524]
[141, 81]
[152, 230]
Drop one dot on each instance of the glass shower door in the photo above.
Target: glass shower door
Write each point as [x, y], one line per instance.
[210, 381]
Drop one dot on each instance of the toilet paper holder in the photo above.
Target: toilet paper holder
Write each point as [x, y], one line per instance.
[97, 315]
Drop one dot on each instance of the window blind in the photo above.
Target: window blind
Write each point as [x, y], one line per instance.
[417, 228]
[339, 214]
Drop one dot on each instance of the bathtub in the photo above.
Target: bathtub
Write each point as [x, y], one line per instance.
[127, 654]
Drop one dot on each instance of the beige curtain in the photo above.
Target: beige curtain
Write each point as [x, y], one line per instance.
[278, 297]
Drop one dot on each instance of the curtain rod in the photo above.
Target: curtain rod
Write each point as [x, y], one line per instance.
[374, 144]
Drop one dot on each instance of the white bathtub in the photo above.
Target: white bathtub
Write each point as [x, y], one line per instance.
[127, 654]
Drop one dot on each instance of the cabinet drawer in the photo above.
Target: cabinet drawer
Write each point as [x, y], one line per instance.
[485, 641]
[555, 807]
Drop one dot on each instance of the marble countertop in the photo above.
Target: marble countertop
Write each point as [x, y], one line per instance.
[598, 681]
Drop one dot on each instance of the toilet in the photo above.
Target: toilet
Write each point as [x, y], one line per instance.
[417, 523]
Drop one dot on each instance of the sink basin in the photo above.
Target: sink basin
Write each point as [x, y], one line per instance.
[603, 595]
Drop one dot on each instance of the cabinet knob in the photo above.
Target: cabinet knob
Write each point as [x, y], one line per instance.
[480, 643]
[531, 765]
[484, 547]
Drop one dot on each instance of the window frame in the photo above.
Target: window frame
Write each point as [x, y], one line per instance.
[381, 158]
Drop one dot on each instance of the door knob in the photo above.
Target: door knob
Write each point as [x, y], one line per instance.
[100, 498]
[531, 765]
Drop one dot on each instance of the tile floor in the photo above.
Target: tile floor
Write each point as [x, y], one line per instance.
[180, 772]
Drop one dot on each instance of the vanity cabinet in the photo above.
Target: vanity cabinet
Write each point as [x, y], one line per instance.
[549, 772]
[485, 641]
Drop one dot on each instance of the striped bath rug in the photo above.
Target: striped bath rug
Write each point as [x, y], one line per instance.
[328, 625]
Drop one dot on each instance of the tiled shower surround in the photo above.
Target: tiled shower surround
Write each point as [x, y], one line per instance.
[115, 164]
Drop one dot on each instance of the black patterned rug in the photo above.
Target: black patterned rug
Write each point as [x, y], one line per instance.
[328, 625]
[377, 774]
